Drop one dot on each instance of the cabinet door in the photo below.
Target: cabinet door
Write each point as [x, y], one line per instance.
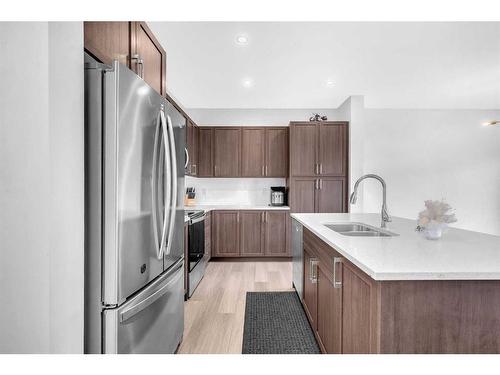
[331, 195]
[252, 152]
[205, 164]
[329, 311]
[303, 149]
[227, 152]
[276, 233]
[333, 149]
[277, 152]
[208, 235]
[359, 329]
[193, 152]
[226, 233]
[310, 298]
[108, 41]
[302, 194]
[153, 57]
[251, 233]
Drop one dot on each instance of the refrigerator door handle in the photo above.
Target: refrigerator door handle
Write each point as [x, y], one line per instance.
[173, 160]
[154, 188]
[164, 239]
[137, 308]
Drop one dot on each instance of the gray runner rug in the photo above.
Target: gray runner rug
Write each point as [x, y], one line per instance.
[275, 323]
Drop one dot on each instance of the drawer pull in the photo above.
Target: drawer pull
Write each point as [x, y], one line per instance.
[336, 284]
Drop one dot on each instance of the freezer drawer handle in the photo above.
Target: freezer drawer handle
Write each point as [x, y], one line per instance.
[135, 309]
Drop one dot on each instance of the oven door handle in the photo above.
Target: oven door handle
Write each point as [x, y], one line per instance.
[198, 219]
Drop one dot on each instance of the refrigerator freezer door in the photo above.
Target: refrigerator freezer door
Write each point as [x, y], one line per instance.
[152, 322]
[131, 258]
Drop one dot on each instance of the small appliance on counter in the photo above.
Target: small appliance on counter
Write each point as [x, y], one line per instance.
[278, 196]
[190, 196]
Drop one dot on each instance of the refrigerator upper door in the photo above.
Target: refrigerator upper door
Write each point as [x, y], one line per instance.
[151, 322]
[177, 128]
[131, 131]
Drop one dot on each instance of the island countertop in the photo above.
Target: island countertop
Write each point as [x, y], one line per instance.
[458, 255]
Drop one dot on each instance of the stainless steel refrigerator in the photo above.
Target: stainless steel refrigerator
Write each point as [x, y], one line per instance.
[134, 214]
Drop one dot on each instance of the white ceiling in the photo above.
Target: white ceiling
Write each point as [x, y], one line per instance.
[394, 65]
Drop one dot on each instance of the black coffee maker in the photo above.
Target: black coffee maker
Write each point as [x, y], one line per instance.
[278, 196]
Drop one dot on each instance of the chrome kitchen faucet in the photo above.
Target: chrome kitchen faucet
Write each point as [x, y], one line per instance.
[354, 196]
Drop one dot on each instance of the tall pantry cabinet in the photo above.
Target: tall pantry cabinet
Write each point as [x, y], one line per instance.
[318, 166]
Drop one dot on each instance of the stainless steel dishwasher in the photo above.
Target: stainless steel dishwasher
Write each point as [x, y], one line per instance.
[298, 263]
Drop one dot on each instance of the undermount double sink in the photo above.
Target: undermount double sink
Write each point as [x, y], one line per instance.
[359, 230]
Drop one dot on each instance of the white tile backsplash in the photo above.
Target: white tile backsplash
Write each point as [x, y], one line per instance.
[225, 191]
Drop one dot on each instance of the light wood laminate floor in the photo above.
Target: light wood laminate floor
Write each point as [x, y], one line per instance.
[214, 315]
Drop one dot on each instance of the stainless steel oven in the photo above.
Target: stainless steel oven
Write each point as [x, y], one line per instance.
[197, 259]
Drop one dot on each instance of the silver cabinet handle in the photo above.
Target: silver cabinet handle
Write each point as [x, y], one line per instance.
[320, 184]
[266, 171]
[336, 284]
[320, 168]
[313, 270]
[215, 170]
[194, 169]
[316, 185]
[140, 63]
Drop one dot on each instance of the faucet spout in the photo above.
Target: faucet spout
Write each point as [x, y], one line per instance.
[384, 214]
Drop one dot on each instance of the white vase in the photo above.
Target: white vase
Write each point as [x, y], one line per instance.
[434, 232]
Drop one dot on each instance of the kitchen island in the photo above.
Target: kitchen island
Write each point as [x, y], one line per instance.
[402, 293]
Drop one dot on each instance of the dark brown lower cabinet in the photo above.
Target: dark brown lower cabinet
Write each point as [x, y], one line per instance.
[208, 235]
[226, 238]
[310, 297]
[253, 233]
[276, 233]
[329, 328]
[351, 312]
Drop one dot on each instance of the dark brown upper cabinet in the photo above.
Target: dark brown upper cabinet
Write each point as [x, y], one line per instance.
[303, 149]
[332, 150]
[108, 41]
[314, 194]
[132, 44]
[149, 59]
[276, 152]
[192, 135]
[205, 157]
[253, 160]
[318, 149]
[227, 149]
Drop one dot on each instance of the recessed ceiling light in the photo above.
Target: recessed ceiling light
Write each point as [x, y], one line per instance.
[241, 39]
[490, 123]
[247, 82]
[330, 83]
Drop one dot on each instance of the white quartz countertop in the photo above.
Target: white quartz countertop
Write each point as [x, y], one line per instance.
[458, 255]
[211, 207]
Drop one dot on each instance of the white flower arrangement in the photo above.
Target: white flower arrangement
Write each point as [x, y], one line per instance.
[436, 214]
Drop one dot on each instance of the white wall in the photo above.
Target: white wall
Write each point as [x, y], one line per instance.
[434, 154]
[41, 188]
[257, 116]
